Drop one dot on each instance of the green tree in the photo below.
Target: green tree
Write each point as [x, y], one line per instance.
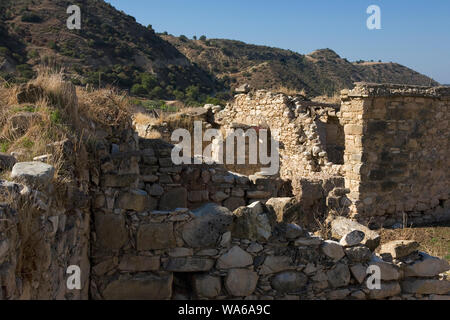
[138, 89]
[193, 93]
[148, 81]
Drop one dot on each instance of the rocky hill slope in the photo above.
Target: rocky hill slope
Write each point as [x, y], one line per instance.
[321, 72]
[110, 48]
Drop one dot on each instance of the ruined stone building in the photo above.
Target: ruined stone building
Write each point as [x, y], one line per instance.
[140, 227]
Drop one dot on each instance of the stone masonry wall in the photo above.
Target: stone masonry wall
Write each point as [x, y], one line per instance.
[211, 253]
[301, 126]
[148, 246]
[42, 236]
[396, 152]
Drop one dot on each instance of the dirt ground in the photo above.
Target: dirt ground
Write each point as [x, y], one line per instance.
[434, 240]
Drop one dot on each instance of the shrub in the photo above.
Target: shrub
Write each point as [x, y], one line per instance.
[138, 89]
[31, 17]
[157, 93]
[4, 51]
[148, 81]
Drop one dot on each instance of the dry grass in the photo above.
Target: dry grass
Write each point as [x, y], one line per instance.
[290, 92]
[104, 106]
[55, 116]
[434, 240]
[335, 99]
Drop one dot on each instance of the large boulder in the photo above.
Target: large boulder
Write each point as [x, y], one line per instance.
[206, 286]
[241, 282]
[358, 253]
[155, 236]
[173, 199]
[388, 289]
[140, 287]
[399, 248]
[275, 264]
[110, 230]
[136, 200]
[341, 226]
[250, 223]
[426, 286]
[389, 271]
[333, 250]
[427, 266]
[210, 222]
[36, 174]
[284, 209]
[339, 276]
[289, 281]
[234, 258]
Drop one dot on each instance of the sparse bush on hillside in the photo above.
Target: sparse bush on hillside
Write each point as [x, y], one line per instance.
[138, 90]
[31, 17]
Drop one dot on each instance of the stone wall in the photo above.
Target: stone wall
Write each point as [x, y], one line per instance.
[43, 231]
[145, 245]
[302, 127]
[389, 142]
[396, 152]
[212, 253]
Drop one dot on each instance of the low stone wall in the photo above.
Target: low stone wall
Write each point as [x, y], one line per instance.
[46, 232]
[211, 253]
[396, 152]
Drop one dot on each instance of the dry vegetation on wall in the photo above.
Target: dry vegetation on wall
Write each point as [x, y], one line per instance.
[35, 118]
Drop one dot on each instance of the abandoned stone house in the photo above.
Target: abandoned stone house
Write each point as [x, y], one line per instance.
[140, 227]
[388, 143]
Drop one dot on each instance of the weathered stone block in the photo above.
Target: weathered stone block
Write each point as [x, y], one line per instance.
[399, 248]
[210, 222]
[234, 258]
[36, 174]
[173, 199]
[289, 282]
[388, 289]
[111, 231]
[206, 286]
[241, 282]
[248, 225]
[140, 287]
[333, 250]
[136, 200]
[427, 266]
[339, 276]
[132, 263]
[188, 264]
[233, 203]
[426, 286]
[340, 226]
[285, 209]
[155, 236]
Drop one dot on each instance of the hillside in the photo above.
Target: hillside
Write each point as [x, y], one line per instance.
[321, 72]
[113, 49]
[110, 48]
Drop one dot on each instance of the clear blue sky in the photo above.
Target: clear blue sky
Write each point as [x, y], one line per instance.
[415, 33]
